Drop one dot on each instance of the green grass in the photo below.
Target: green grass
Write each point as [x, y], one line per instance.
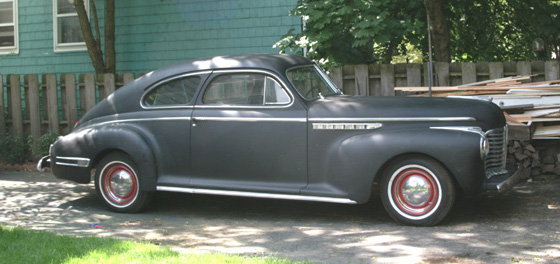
[18, 245]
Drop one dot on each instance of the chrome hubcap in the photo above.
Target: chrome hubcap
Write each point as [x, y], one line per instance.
[416, 191]
[121, 183]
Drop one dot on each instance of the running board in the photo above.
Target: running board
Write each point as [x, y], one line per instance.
[257, 195]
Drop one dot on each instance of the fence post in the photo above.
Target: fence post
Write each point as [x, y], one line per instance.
[523, 68]
[495, 70]
[362, 80]
[15, 100]
[71, 100]
[337, 77]
[413, 75]
[89, 92]
[551, 70]
[468, 72]
[128, 77]
[387, 80]
[33, 107]
[2, 119]
[442, 74]
[52, 102]
[108, 84]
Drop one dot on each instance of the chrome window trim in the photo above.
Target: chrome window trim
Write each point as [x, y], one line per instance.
[250, 119]
[266, 73]
[148, 89]
[73, 161]
[394, 119]
[257, 195]
[326, 78]
[346, 126]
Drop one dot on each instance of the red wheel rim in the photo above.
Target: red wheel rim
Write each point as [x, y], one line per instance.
[415, 192]
[120, 184]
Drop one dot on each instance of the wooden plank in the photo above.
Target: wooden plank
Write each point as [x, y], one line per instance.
[108, 84]
[523, 68]
[387, 80]
[496, 70]
[551, 70]
[441, 70]
[89, 92]
[129, 77]
[362, 80]
[71, 100]
[468, 72]
[413, 74]
[336, 77]
[15, 101]
[2, 119]
[547, 131]
[34, 111]
[52, 103]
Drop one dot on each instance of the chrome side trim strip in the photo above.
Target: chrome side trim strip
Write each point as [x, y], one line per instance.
[394, 119]
[187, 118]
[249, 119]
[257, 195]
[73, 161]
[476, 130]
[346, 126]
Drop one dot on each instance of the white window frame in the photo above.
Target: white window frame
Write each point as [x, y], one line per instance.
[62, 47]
[15, 48]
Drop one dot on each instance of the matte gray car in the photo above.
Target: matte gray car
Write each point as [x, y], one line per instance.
[275, 126]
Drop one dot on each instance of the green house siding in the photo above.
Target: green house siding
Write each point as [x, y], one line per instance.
[154, 33]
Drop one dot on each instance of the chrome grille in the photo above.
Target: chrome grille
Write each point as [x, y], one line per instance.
[495, 162]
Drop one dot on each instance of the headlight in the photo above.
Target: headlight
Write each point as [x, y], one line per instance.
[484, 147]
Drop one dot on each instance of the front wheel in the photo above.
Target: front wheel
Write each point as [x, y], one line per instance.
[417, 191]
[118, 185]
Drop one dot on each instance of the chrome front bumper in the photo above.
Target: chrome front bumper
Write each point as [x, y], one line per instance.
[44, 162]
[505, 182]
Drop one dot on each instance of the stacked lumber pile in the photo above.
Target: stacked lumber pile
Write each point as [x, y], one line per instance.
[531, 109]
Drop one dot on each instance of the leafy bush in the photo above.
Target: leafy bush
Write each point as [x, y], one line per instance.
[13, 150]
[40, 148]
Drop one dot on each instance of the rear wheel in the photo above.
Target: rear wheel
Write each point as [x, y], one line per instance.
[117, 184]
[417, 191]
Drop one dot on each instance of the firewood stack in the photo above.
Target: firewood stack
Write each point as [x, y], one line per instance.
[532, 111]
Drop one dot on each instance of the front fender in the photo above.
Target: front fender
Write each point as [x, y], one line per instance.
[355, 161]
[94, 143]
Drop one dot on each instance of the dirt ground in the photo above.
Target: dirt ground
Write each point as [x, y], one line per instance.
[521, 226]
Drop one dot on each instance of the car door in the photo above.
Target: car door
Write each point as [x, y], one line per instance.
[168, 107]
[249, 134]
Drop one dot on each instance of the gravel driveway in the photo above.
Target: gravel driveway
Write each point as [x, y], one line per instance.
[522, 225]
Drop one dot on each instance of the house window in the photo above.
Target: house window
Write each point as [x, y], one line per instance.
[67, 31]
[8, 27]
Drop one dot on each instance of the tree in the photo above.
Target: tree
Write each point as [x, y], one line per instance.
[355, 31]
[93, 43]
[439, 29]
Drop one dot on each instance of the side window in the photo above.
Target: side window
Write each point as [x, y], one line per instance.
[175, 92]
[245, 89]
[8, 27]
[67, 31]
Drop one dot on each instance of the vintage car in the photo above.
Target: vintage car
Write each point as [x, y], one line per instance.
[275, 126]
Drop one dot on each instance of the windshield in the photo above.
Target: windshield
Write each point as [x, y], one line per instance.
[311, 82]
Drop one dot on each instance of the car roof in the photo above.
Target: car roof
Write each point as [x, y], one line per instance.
[278, 63]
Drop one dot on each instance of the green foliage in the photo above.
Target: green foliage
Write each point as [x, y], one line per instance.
[13, 150]
[354, 31]
[40, 148]
[365, 31]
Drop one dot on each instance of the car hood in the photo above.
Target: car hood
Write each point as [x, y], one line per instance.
[487, 114]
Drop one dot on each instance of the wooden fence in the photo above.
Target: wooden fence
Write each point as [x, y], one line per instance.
[380, 79]
[35, 104]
